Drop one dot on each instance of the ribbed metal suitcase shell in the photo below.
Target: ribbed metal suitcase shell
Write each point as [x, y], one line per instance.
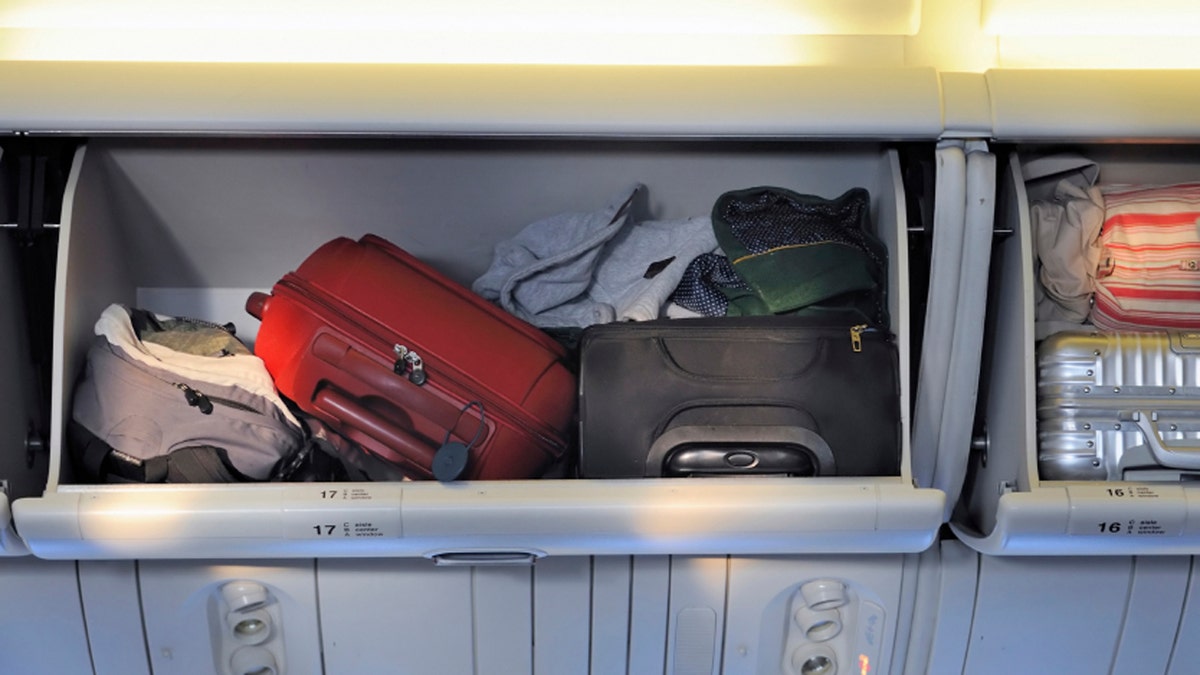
[1102, 397]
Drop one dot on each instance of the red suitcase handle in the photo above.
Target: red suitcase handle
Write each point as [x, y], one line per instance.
[381, 379]
[416, 453]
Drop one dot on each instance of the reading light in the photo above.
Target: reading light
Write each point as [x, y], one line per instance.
[244, 596]
[824, 594]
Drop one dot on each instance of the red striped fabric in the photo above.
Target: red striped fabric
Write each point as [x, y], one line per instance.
[1149, 274]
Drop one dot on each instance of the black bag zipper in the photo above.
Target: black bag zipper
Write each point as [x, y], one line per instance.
[198, 399]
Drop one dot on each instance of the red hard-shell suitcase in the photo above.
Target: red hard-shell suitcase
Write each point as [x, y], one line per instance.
[410, 364]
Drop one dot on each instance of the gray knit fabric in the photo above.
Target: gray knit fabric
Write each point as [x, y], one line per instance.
[579, 269]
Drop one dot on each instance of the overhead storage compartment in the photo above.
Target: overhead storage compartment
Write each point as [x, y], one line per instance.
[445, 162]
[193, 227]
[1014, 505]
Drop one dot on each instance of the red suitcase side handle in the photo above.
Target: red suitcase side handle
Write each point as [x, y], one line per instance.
[417, 455]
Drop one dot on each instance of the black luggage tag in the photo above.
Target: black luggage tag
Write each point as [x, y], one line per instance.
[450, 460]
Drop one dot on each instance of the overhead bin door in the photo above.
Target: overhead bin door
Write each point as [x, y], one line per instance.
[31, 184]
[16, 413]
[1016, 501]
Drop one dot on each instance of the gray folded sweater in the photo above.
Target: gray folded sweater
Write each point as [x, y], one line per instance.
[579, 269]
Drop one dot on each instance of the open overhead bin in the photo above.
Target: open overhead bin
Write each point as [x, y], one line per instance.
[197, 185]
[1108, 128]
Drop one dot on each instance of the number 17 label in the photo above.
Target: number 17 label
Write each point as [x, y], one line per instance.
[356, 512]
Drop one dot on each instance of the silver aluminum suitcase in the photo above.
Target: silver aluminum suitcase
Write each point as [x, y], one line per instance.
[1119, 406]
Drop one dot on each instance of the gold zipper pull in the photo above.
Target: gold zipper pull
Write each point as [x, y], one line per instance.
[856, 337]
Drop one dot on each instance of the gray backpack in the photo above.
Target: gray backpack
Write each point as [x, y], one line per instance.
[167, 399]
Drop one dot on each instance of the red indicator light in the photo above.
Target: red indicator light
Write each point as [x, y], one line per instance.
[864, 664]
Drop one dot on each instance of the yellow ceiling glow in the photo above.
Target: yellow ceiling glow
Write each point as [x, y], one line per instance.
[766, 32]
[376, 47]
[1065, 18]
[1168, 52]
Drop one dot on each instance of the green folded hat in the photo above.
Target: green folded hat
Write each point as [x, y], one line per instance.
[801, 252]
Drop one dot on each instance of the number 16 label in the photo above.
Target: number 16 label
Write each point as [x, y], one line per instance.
[1124, 509]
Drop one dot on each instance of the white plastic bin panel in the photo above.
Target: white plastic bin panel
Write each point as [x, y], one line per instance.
[648, 615]
[697, 615]
[1187, 652]
[211, 220]
[1052, 105]
[1152, 617]
[502, 620]
[1048, 615]
[563, 615]
[941, 623]
[401, 616]
[111, 605]
[42, 629]
[612, 578]
[562, 612]
[191, 627]
[471, 99]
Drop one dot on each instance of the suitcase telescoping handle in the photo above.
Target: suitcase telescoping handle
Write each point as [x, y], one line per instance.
[414, 455]
[739, 449]
[417, 456]
[1172, 455]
